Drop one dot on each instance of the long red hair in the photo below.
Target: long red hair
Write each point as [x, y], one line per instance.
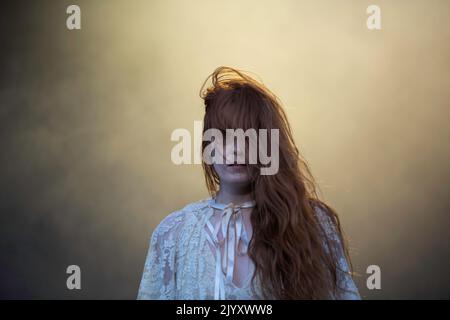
[288, 240]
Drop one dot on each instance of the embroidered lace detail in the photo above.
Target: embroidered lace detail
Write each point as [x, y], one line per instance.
[180, 265]
[348, 289]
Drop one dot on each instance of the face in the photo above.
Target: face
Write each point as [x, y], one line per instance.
[232, 172]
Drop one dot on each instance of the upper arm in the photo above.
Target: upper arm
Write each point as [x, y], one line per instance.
[346, 285]
[159, 276]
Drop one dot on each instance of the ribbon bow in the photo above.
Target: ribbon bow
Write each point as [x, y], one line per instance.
[233, 231]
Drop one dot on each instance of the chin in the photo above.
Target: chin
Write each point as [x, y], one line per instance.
[237, 177]
[241, 180]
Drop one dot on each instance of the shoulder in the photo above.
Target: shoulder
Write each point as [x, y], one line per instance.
[328, 221]
[175, 221]
[197, 206]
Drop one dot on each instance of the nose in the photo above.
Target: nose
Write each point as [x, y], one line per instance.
[232, 151]
[239, 152]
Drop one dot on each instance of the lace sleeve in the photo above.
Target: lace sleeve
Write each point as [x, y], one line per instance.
[159, 277]
[346, 285]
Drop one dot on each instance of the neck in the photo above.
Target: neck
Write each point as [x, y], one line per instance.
[233, 193]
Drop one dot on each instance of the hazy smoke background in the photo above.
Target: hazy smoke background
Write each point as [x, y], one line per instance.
[86, 117]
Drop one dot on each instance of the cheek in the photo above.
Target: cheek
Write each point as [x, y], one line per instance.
[220, 170]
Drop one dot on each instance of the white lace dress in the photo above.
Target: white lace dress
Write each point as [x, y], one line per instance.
[182, 262]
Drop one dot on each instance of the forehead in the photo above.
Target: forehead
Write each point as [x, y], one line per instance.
[236, 112]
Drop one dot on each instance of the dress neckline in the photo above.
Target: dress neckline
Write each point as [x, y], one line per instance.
[233, 233]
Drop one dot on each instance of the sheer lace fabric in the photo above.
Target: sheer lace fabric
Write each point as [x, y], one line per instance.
[181, 263]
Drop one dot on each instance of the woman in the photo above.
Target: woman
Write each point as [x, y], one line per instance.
[258, 236]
